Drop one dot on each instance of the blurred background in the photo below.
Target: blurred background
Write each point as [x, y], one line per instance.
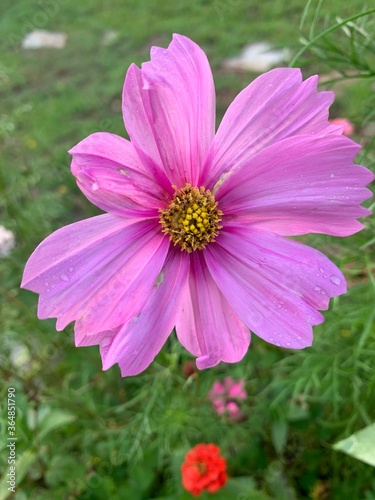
[87, 434]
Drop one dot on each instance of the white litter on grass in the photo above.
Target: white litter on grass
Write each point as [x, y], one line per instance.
[109, 37]
[258, 57]
[7, 242]
[20, 357]
[39, 39]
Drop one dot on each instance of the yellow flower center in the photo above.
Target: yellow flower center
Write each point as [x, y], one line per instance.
[192, 218]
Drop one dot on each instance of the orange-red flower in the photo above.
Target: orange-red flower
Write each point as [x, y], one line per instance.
[204, 469]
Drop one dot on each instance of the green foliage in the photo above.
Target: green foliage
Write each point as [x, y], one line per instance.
[360, 445]
[87, 434]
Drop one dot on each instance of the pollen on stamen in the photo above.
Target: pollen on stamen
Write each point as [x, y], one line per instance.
[192, 218]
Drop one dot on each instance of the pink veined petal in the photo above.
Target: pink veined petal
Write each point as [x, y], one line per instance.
[274, 284]
[110, 174]
[208, 327]
[97, 271]
[300, 185]
[84, 340]
[135, 346]
[169, 110]
[297, 267]
[274, 106]
[103, 339]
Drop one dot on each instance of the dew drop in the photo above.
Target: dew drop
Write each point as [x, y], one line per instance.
[64, 277]
[94, 186]
[335, 280]
[288, 343]
[321, 270]
[317, 289]
[278, 344]
[272, 339]
[332, 176]
[70, 269]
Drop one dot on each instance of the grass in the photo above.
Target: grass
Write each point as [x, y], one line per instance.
[87, 434]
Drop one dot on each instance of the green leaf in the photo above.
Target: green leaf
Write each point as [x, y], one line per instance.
[23, 463]
[360, 445]
[243, 488]
[141, 476]
[279, 431]
[61, 468]
[52, 421]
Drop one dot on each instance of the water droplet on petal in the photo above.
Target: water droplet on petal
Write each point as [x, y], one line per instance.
[94, 186]
[64, 277]
[70, 269]
[278, 344]
[288, 343]
[272, 339]
[332, 176]
[335, 280]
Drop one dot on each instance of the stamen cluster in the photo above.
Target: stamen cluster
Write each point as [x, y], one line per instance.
[192, 218]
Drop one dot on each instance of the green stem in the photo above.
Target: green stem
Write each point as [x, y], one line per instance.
[326, 32]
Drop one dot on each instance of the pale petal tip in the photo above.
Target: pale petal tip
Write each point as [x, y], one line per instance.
[207, 361]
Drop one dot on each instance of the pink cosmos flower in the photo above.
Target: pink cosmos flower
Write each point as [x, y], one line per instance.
[347, 126]
[226, 396]
[194, 237]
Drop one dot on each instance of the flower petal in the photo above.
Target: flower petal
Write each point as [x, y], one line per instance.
[135, 346]
[208, 327]
[274, 106]
[300, 185]
[110, 174]
[274, 284]
[97, 271]
[169, 110]
[84, 340]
